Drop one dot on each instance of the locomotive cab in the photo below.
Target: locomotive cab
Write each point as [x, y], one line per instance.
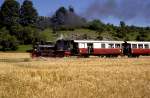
[63, 48]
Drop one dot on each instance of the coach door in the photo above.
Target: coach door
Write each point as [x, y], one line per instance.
[90, 48]
[126, 49]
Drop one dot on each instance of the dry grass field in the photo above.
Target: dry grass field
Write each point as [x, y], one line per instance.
[23, 77]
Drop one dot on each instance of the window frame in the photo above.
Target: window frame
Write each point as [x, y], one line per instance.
[117, 46]
[104, 45]
[111, 45]
[140, 46]
[145, 46]
[134, 47]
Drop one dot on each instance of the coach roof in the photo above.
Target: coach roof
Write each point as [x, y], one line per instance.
[96, 41]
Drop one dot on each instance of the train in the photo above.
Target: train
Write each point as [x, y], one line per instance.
[86, 48]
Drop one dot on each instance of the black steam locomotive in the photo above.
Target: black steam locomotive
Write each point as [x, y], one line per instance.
[59, 49]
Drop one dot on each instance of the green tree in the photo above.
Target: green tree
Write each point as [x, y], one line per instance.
[58, 18]
[29, 34]
[122, 31]
[96, 25]
[46, 35]
[143, 35]
[43, 22]
[122, 24]
[17, 30]
[7, 41]
[9, 13]
[28, 14]
[110, 28]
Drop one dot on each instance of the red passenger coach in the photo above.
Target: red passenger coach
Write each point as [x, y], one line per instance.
[89, 47]
[140, 48]
[113, 48]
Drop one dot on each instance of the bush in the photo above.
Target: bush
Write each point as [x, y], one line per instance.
[46, 35]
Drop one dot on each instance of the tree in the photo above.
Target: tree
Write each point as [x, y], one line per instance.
[71, 9]
[122, 24]
[58, 18]
[122, 31]
[17, 30]
[28, 14]
[43, 22]
[29, 35]
[9, 13]
[110, 28]
[143, 35]
[46, 35]
[96, 25]
[7, 42]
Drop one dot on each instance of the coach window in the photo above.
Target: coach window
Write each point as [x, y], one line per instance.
[111, 45]
[102, 45]
[146, 46]
[140, 45]
[134, 45]
[117, 45]
[81, 45]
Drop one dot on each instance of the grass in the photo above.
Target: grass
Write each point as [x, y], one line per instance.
[21, 48]
[24, 48]
[79, 32]
[74, 77]
[90, 34]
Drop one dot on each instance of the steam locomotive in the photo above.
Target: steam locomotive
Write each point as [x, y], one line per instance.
[86, 48]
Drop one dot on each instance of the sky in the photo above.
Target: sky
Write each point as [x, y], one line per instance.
[133, 12]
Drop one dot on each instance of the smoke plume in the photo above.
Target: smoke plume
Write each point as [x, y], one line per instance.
[120, 9]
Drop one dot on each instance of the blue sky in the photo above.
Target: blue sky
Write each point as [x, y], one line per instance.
[48, 7]
[133, 12]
